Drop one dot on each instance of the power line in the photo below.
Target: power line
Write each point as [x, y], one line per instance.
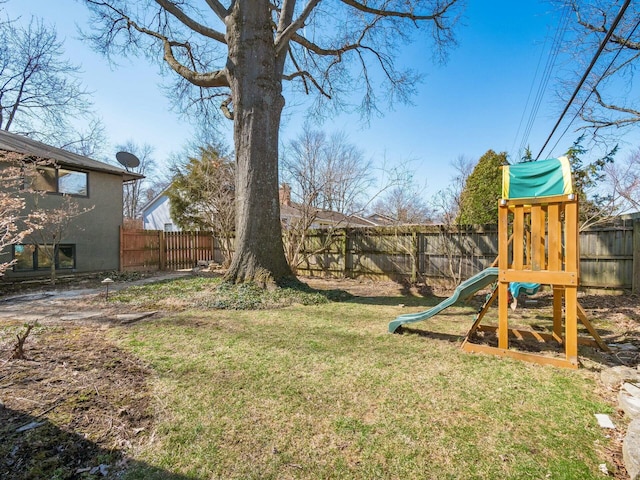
[546, 75]
[604, 42]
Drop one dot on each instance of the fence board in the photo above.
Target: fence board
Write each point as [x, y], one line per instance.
[610, 255]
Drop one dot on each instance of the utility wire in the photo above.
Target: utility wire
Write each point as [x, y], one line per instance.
[593, 89]
[550, 64]
[604, 42]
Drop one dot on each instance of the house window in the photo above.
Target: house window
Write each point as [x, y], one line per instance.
[38, 257]
[61, 180]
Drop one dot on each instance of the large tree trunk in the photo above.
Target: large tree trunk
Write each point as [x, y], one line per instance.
[257, 105]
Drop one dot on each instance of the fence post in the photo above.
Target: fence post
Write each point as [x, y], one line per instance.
[414, 257]
[162, 250]
[345, 252]
[121, 261]
[635, 280]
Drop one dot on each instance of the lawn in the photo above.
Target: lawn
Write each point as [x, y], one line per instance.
[318, 389]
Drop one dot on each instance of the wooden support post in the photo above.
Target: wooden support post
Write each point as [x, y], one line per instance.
[518, 235]
[503, 315]
[571, 324]
[585, 321]
[554, 245]
[537, 238]
[558, 297]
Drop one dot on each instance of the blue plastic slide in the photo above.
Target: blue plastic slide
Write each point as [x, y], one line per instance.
[462, 292]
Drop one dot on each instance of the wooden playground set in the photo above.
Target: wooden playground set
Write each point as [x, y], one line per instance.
[537, 246]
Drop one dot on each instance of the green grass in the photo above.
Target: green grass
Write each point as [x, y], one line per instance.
[322, 391]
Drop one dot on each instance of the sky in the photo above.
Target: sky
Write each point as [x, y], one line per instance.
[474, 102]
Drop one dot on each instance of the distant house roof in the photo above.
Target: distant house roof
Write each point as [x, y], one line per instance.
[32, 148]
[326, 217]
[154, 200]
[380, 219]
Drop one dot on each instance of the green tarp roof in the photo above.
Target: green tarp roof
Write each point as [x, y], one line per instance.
[543, 178]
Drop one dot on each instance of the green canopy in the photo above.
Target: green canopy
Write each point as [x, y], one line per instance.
[543, 178]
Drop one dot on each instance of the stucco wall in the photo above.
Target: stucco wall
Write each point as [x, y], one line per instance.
[95, 233]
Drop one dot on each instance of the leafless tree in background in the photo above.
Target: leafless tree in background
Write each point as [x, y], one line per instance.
[327, 172]
[446, 203]
[405, 205]
[624, 179]
[135, 192]
[40, 93]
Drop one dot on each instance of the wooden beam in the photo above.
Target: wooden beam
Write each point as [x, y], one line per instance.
[480, 315]
[558, 299]
[527, 357]
[571, 324]
[582, 315]
[503, 315]
[545, 277]
[554, 246]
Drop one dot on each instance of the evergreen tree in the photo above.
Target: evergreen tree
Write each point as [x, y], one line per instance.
[202, 197]
[482, 190]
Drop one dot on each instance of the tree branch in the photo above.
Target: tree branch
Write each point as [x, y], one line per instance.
[217, 78]
[218, 9]
[286, 32]
[399, 14]
[186, 20]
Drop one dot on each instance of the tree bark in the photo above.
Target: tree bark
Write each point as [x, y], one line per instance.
[257, 106]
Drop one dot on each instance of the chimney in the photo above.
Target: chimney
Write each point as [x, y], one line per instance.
[285, 195]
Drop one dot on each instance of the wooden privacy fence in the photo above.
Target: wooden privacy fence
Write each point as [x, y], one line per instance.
[149, 250]
[609, 255]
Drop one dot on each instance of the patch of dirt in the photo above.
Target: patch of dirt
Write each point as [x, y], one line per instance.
[372, 288]
[72, 408]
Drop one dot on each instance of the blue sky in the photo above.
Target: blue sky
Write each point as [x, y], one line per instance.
[472, 103]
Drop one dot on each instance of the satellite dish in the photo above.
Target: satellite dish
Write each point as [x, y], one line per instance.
[128, 160]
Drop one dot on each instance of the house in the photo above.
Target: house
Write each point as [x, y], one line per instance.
[92, 242]
[156, 214]
[291, 212]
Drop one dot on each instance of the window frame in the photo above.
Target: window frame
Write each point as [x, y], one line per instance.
[35, 267]
[56, 169]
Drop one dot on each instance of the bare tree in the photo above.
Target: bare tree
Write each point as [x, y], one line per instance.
[40, 93]
[624, 179]
[405, 205]
[11, 206]
[241, 52]
[327, 172]
[134, 193]
[609, 96]
[447, 202]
